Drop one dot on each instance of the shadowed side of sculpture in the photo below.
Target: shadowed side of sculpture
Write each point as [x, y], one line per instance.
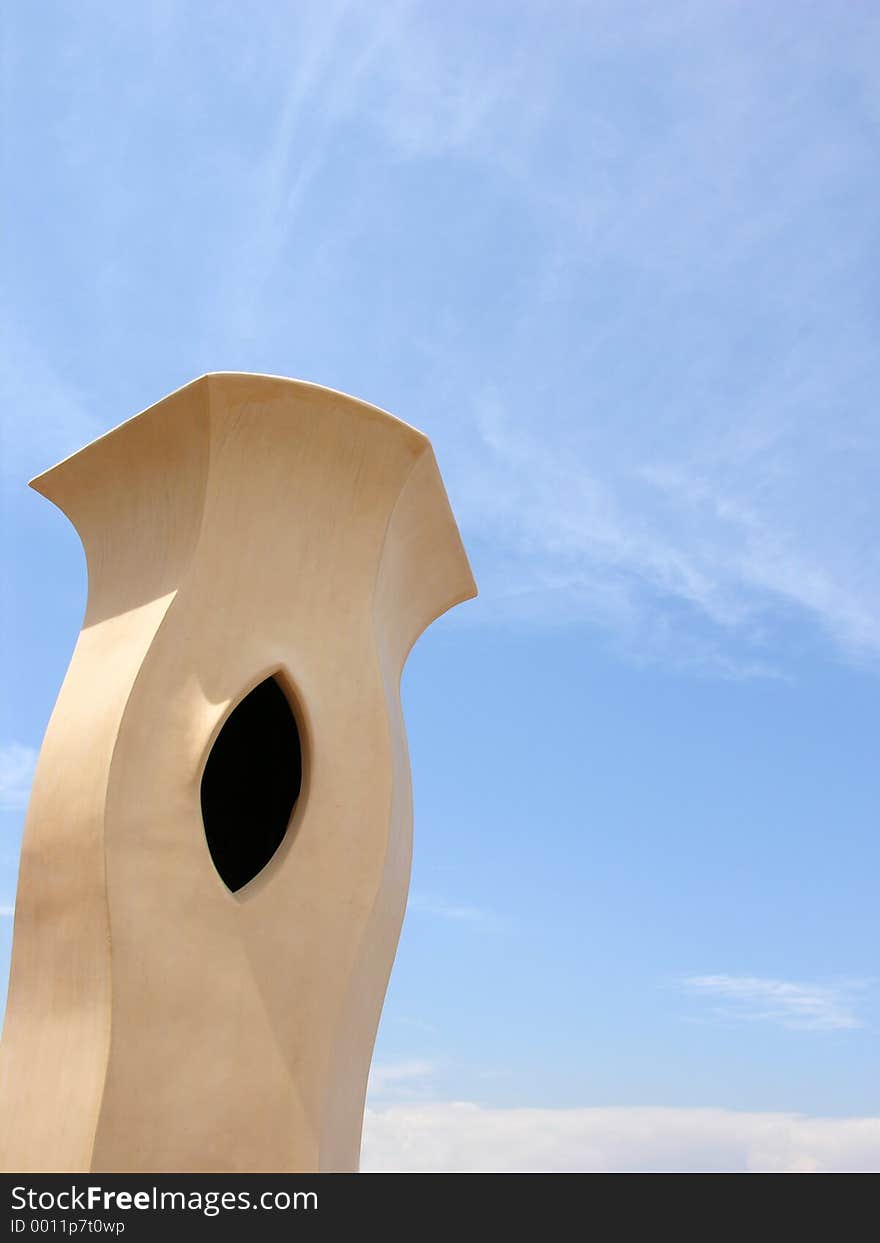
[217, 851]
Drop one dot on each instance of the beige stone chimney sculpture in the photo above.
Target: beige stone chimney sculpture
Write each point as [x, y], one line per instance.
[217, 849]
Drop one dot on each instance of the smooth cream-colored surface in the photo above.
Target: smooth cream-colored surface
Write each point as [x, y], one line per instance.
[246, 526]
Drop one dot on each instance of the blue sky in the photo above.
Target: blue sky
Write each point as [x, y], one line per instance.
[619, 261]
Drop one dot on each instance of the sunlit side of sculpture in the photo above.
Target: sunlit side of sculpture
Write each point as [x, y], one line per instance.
[159, 1018]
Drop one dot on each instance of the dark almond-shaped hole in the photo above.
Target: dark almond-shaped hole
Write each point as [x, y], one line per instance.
[251, 783]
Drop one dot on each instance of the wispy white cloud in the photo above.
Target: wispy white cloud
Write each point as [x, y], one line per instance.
[673, 561]
[812, 1007]
[409, 1079]
[16, 774]
[384, 1073]
[7, 910]
[477, 917]
[465, 1137]
[442, 97]
[419, 1024]
[328, 55]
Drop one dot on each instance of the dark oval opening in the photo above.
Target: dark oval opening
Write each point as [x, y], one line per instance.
[251, 783]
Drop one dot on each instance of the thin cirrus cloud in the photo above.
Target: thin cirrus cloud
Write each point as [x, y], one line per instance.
[407, 1078]
[438, 1136]
[16, 774]
[675, 564]
[810, 1007]
[473, 916]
